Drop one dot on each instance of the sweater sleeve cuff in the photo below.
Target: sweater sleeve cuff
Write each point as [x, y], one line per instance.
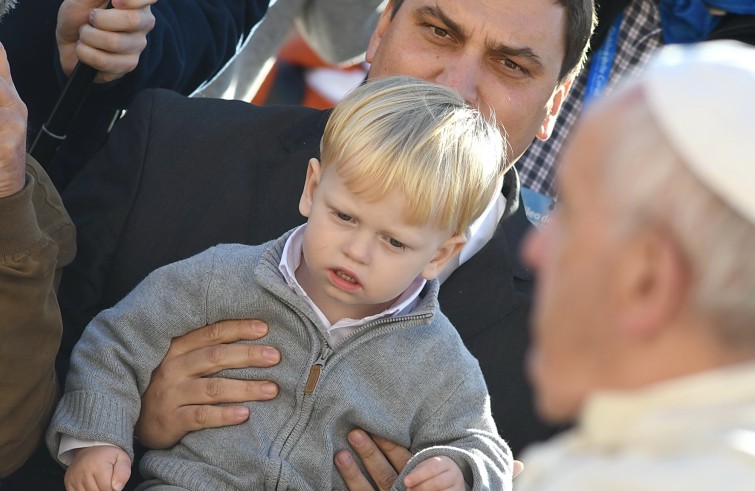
[95, 417]
[19, 229]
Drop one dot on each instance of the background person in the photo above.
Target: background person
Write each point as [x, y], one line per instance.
[644, 325]
[187, 42]
[37, 238]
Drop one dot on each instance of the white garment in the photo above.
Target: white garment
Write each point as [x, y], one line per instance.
[694, 434]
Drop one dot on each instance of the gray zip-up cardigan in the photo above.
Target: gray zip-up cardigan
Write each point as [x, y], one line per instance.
[409, 379]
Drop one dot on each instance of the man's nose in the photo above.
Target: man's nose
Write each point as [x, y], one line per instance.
[462, 74]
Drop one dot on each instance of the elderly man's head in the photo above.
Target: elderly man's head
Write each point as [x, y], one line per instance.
[647, 270]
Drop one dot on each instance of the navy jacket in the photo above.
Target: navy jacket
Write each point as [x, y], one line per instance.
[191, 41]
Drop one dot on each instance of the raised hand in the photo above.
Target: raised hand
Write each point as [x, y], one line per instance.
[108, 40]
[13, 116]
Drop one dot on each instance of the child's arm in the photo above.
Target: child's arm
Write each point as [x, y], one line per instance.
[101, 468]
[112, 363]
[459, 426]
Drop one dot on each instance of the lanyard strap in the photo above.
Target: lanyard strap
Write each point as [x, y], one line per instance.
[601, 63]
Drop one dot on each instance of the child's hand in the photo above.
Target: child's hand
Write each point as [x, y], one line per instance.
[100, 468]
[435, 474]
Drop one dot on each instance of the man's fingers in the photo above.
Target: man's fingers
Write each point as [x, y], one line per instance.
[218, 390]
[132, 4]
[200, 417]
[118, 20]
[210, 360]
[111, 43]
[351, 473]
[396, 454]
[5, 66]
[378, 466]
[164, 430]
[109, 66]
[221, 332]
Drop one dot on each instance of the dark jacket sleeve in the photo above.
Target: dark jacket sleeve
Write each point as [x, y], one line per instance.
[191, 41]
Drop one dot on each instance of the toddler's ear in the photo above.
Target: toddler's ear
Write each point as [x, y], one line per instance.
[445, 252]
[310, 186]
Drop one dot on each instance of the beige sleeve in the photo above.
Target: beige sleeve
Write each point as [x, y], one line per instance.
[37, 239]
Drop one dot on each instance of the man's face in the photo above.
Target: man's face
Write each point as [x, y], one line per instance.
[359, 255]
[500, 55]
[575, 255]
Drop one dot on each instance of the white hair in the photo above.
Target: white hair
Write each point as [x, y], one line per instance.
[6, 6]
[651, 185]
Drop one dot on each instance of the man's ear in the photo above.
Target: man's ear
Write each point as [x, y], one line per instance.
[448, 249]
[377, 35]
[555, 103]
[653, 283]
[310, 186]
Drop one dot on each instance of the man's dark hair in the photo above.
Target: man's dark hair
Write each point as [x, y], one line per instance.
[580, 22]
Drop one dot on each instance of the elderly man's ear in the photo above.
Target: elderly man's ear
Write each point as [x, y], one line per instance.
[652, 281]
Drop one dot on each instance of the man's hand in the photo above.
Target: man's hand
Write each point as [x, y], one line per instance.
[109, 41]
[180, 399]
[435, 474]
[99, 468]
[383, 459]
[13, 116]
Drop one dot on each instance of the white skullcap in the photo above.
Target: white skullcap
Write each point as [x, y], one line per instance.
[703, 98]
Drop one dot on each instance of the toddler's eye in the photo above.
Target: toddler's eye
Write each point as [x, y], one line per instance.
[395, 243]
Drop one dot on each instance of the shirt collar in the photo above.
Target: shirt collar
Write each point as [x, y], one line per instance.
[290, 261]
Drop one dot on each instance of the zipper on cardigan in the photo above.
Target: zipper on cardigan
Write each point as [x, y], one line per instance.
[384, 320]
[316, 369]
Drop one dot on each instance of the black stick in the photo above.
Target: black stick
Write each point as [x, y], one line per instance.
[54, 131]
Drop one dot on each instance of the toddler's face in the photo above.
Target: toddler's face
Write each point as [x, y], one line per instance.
[360, 255]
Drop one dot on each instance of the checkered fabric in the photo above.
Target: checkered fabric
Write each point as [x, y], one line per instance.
[639, 35]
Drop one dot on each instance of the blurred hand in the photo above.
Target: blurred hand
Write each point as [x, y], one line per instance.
[180, 398]
[13, 116]
[108, 40]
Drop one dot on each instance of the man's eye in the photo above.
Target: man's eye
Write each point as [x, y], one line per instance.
[440, 32]
[395, 243]
[510, 65]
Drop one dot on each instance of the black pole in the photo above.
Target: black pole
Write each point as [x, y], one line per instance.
[54, 131]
